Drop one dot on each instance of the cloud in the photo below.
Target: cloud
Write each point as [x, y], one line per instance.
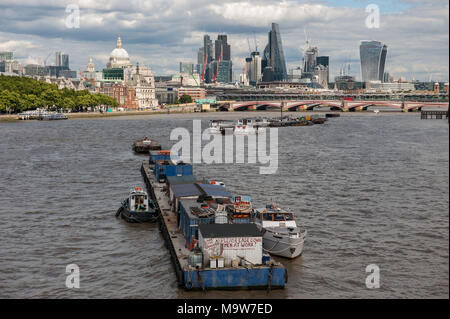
[160, 33]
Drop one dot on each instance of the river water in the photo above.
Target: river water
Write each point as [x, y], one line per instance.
[370, 189]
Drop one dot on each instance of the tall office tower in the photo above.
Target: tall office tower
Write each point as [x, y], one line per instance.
[248, 66]
[221, 45]
[207, 48]
[58, 58]
[200, 60]
[310, 59]
[382, 63]
[274, 56]
[325, 61]
[321, 73]
[373, 59]
[254, 71]
[65, 61]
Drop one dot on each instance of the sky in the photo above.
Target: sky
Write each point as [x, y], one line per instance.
[162, 33]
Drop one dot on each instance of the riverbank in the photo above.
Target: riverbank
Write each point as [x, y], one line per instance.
[94, 115]
[83, 115]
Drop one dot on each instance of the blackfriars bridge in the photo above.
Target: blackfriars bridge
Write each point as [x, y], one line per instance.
[334, 105]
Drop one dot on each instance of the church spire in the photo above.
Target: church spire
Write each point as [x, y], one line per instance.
[119, 42]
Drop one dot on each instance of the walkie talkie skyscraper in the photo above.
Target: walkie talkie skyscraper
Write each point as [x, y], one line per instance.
[373, 59]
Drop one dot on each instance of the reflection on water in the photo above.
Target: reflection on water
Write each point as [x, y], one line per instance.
[371, 189]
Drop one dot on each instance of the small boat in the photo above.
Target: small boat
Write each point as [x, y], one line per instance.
[262, 122]
[145, 145]
[138, 208]
[217, 126]
[281, 234]
[376, 111]
[52, 117]
[245, 126]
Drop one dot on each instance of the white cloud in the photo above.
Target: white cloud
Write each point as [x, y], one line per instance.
[161, 33]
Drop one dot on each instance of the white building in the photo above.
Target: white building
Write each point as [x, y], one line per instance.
[389, 87]
[141, 79]
[235, 243]
[254, 68]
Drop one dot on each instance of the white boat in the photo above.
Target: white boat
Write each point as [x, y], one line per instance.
[245, 126]
[376, 111]
[216, 126]
[281, 234]
[262, 122]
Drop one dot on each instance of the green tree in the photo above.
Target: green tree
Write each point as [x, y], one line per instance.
[185, 99]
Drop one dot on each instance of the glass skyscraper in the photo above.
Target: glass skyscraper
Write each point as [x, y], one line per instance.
[373, 59]
[274, 56]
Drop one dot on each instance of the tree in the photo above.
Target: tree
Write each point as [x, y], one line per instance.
[18, 94]
[185, 99]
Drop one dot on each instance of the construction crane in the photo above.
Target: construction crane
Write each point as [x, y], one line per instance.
[249, 48]
[45, 61]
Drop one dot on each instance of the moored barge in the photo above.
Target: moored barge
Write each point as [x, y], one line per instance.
[209, 250]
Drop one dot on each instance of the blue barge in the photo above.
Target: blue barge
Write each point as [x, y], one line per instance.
[201, 252]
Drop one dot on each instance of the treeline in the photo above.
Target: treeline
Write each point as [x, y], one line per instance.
[18, 94]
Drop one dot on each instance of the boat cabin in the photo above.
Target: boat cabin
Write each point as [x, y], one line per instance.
[273, 216]
[138, 200]
[245, 122]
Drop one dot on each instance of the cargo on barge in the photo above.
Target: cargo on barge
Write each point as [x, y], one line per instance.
[209, 250]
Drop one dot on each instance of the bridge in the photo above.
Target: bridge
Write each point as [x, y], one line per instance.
[334, 105]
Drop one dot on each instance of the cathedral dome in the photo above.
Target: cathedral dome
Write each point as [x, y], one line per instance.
[119, 53]
[119, 57]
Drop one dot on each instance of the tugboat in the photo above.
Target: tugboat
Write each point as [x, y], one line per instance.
[281, 235]
[138, 208]
[145, 145]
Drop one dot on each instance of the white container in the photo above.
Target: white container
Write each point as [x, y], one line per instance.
[212, 263]
[220, 262]
[235, 263]
[221, 218]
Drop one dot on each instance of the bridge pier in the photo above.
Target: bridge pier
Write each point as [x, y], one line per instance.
[345, 107]
[404, 107]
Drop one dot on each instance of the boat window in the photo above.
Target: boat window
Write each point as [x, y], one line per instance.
[268, 216]
[278, 217]
[289, 217]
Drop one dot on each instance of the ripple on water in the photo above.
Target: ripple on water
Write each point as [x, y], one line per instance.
[369, 190]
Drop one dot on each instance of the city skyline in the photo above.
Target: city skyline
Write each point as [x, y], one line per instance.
[32, 31]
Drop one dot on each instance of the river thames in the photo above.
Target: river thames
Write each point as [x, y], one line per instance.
[370, 189]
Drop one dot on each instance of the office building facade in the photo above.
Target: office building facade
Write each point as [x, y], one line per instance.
[373, 59]
[274, 56]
